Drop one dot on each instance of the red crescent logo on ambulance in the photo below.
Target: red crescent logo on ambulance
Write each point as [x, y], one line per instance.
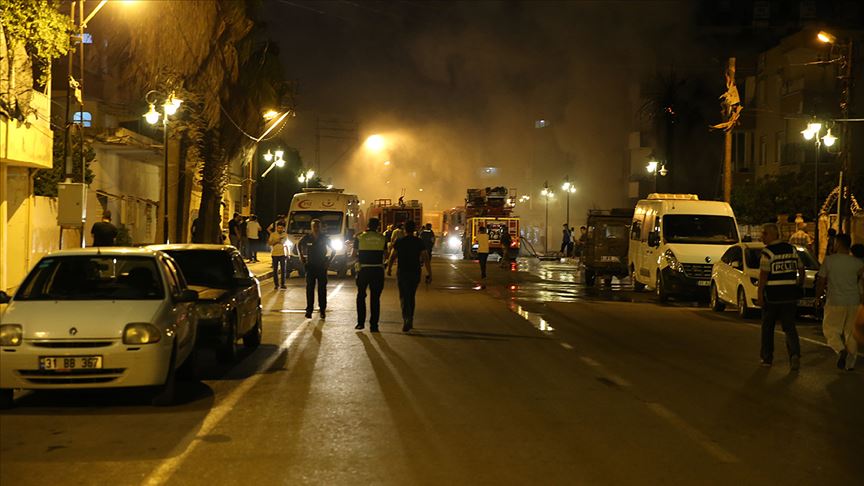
[305, 204]
[327, 204]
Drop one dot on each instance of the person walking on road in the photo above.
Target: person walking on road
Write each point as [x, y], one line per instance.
[253, 228]
[841, 273]
[428, 237]
[315, 255]
[234, 231]
[482, 253]
[411, 255]
[505, 248]
[781, 275]
[369, 248]
[278, 254]
[104, 232]
[566, 237]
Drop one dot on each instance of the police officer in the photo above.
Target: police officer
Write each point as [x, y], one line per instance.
[781, 274]
[369, 248]
[315, 254]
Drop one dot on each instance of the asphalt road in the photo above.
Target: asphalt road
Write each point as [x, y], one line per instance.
[535, 379]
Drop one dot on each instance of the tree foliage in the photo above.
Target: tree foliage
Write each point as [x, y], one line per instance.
[41, 28]
[790, 193]
[213, 55]
[46, 180]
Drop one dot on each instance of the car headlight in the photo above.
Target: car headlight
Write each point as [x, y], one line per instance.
[11, 335]
[337, 244]
[454, 242]
[209, 311]
[141, 333]
[672, 261]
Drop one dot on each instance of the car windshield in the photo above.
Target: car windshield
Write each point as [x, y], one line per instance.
[210, 268]
[300, 222]
[701, 229]
[753, 256]
[614, 231]
[96, 277]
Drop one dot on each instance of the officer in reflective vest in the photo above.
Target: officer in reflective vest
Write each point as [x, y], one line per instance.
[369, 248]
[781, 275]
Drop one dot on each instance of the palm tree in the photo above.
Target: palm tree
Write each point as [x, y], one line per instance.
[214, 55]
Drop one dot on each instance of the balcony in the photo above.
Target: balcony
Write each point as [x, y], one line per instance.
[29, 144]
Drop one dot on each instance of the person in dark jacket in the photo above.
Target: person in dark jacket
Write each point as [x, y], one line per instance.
[104, 232]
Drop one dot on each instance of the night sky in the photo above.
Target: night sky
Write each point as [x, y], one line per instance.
[457, 86]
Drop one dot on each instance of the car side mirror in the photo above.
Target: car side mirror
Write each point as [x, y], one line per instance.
[653, 239]
[736, 264]
[186, 296]
[244, 281]
[4, 297]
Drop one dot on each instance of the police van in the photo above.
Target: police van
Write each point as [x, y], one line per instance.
[675, 240]
[341, 220]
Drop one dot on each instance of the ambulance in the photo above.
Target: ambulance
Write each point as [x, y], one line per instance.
[341, 219]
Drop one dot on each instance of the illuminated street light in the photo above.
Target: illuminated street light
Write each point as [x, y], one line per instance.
[270, 114]
[375, 143]
[568, 189]
[169, 107]
[829, 139]
[654, 167]
[826, 37]
[306, 177]
[268, 157]
[546, 193]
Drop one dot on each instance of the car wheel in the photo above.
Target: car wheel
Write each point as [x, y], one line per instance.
[660, 288]
[6, 400]
[252, 339]
[743, 310]
[352, 272]
[637, 285]
[165, 394]
[590, 277]
[717, 305]
[341, 272]
[227, 351]
[301, 272]
[189, 369]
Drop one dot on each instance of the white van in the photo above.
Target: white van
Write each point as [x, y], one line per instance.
[340, 218]
[675, 240]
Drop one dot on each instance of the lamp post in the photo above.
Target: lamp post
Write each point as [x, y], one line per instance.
[169, 107]
[568, 189]
[845, 60]
[812, 132]
[276, 159]
[546, 193]
[654, 167]
[306, 177]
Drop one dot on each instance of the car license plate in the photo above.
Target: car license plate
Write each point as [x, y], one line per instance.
[807, 302]
[66, 363]
[704, 283]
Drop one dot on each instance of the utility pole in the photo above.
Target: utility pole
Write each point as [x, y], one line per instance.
[730, 102]
[844, 205]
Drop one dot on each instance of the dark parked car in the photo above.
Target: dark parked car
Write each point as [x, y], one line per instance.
[229, 298]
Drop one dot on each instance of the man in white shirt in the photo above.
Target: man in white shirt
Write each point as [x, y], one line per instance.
[840, 273]
[252, 230]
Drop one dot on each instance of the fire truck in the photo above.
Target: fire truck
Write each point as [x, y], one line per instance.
[389, 213]
[491, 208]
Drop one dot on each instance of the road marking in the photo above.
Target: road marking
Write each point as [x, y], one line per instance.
[167, 468]
[566, 346]
[709, 445]
[590, 362]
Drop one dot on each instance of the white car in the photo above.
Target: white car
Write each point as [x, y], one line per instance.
[97, 318]
[735, 278]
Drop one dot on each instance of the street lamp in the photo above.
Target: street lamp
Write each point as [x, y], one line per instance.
[306, 177]
[568, 189]
[655, 167]
[170, 106]
[546, 193]
[375, 143]
[812, 133]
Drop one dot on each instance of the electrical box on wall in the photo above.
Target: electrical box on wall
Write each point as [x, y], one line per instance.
[71, 203]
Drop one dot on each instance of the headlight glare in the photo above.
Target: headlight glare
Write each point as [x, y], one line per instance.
[454, 243]
[11, 334]
[141, 333]
[337, 244]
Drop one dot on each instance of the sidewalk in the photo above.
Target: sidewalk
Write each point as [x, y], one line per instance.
[263, 269]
